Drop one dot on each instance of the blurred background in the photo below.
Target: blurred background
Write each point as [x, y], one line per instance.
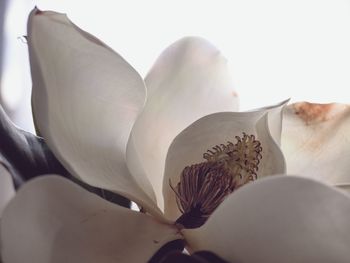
[276, 48]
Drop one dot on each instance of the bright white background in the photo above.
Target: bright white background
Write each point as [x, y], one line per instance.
[276, 48]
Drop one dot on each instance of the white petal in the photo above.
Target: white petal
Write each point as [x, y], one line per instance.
[275, 116]
[85, 101]
[7, 190]
[280, 219]
[316, 141]
[188, 81]
[52, 220]
[215, 129]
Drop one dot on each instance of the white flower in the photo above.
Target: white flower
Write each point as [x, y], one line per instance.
[91, 107]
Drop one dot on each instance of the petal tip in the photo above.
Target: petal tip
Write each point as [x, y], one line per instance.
[197, 44]
[37, 11]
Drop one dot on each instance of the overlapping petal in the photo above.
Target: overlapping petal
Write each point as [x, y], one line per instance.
[316, 141]
[280, 219]
[52, 220]
[85, 101]
[188, 81]
[215, 129]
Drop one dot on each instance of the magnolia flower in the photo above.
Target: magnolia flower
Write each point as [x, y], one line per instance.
[176, 146]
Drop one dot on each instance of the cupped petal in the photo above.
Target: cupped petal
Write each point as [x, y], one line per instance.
[85, 101]
[190, 145]
[7, 190]
[316, 141]
[280, 219]
[188, 81]
[52, 220]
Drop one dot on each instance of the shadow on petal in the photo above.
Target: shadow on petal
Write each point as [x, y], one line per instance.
[69, 224]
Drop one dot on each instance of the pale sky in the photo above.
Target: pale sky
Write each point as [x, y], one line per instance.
[276, 49]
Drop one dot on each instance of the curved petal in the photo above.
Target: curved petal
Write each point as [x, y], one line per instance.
[69, 224]
[85, 101]
[188, 81]
[7, 190]
[215, 129]
[27, 156]
[275, 116]
[316, 141]
[280, 219]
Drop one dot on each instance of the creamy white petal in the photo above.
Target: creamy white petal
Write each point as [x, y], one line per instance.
[85, 101]
[215, 129]
[188, 81]
[7, 190]
[275, 116]
[281, 219]
[316, 141]
[52, 220]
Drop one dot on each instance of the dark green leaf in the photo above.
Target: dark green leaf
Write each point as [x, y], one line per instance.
[172, 252]
[176, 246]
[198, 257]
[210, 257]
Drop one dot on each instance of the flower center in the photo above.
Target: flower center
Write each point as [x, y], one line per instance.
[204, 186]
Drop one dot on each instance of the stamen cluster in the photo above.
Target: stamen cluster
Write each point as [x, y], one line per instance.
[204, 186]
[242, 158]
